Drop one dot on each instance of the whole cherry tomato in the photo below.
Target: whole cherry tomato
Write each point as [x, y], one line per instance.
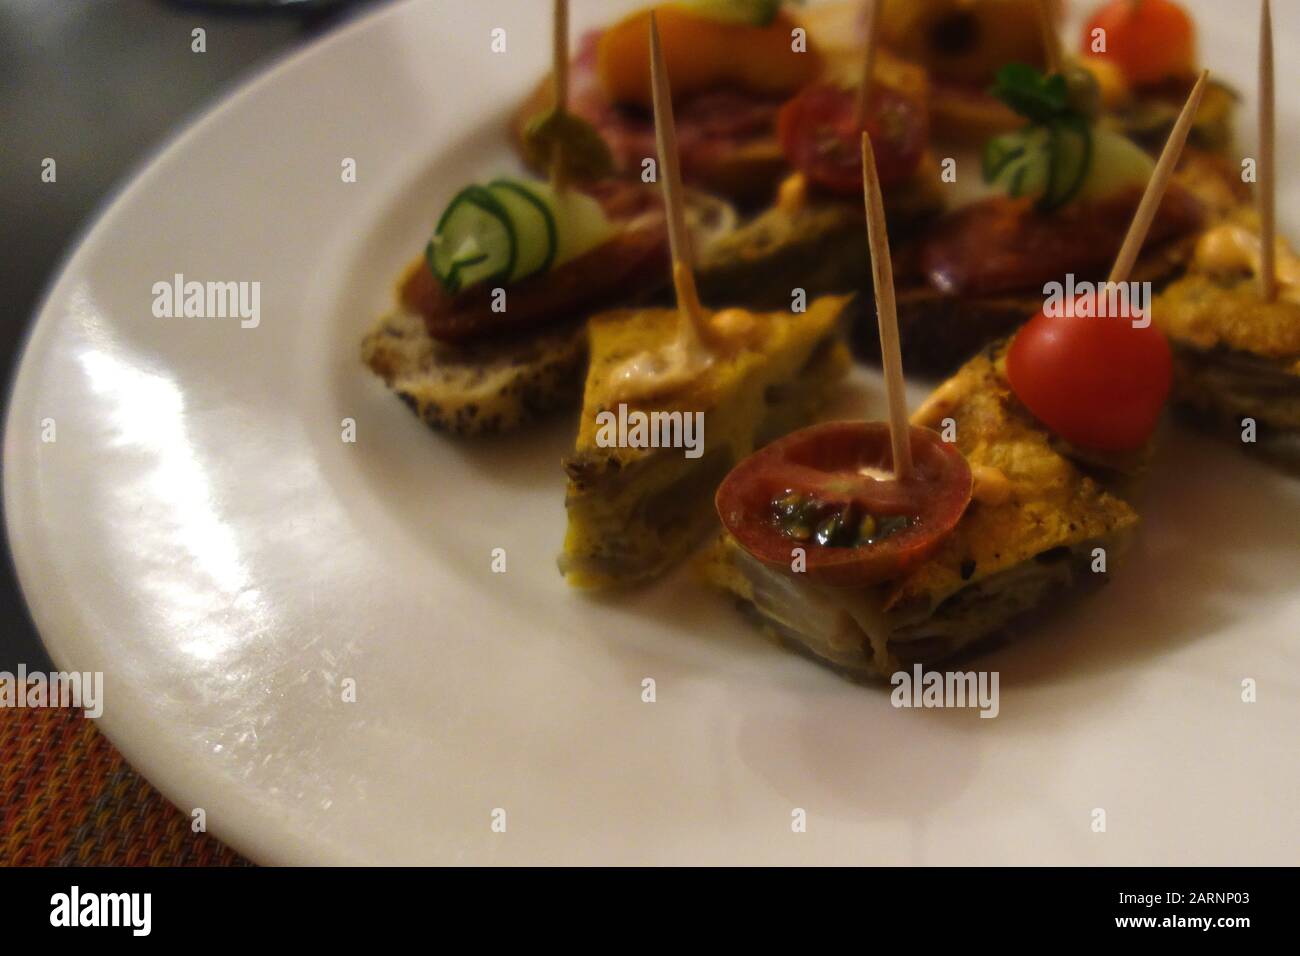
[1098, 382]
[1149, 40]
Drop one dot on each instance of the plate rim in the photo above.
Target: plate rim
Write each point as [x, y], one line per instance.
[40, 323]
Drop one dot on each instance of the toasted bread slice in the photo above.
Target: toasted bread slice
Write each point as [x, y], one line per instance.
[477, 389]
[1029, 535]
[634, 512]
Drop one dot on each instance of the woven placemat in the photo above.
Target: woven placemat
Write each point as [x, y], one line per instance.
[67, 798]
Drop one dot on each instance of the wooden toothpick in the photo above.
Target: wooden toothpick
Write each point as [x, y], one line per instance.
[868, 64]
[1051, 39]
[1155, 191]
[670, 177]
[560, 83]
[1267, 178]
[560, 54]
[882, 273]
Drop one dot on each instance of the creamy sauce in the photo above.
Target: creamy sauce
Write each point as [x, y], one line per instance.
[688, 356]
[700, 336]
[879, 474]
[941, 400]
[656, 371]
[1229, 249]
[792, 194]
[989, 485]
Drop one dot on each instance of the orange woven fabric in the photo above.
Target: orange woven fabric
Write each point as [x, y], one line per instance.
[67, 798]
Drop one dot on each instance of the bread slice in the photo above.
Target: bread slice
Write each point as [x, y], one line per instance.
[1027, 537]
[482, 388]
[634, 512]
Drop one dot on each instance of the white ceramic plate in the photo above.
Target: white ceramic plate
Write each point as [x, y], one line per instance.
[200, 532]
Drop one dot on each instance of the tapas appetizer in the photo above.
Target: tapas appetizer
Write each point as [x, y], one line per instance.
[640, 481]
[734, 62]
[488, 332]
[1144, 55]
[877, 547]
[766, 119]
[1062, 191]
[806, 239]
[1234, 320]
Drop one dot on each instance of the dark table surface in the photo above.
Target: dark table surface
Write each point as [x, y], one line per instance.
[99, 85]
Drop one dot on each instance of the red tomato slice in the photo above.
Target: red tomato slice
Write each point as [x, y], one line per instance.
[820, 139]
[836, 469]
[1150, 40]
[1099, 383]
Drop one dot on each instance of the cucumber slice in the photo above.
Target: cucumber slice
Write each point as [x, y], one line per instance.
[512, 229]
[1019, 162]
[582, 224]
[1118, 164]
[755, 13]
[1070, 158]
[473, 242]
[1067, 161]
[1000, 152]
[535, 233]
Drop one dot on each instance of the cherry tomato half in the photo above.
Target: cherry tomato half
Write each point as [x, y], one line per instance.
[1098, 382]
[820, 139]
[829, 490]
[1149, 40]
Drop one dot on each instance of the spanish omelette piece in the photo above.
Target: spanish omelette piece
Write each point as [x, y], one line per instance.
[1236, 356]
[633, 512]
[1028, 534]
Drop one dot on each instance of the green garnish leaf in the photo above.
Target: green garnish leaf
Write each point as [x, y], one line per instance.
[1038, 98]
[584, 155]
[1052, 155]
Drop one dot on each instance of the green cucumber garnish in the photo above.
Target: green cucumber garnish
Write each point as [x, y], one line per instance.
[1060, 157]
[1065, 162]
[999, 153]
[1019, 162]
[473, 242]
[535, 236]
[1070, 160]
[512, 229]
[1118, 164]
